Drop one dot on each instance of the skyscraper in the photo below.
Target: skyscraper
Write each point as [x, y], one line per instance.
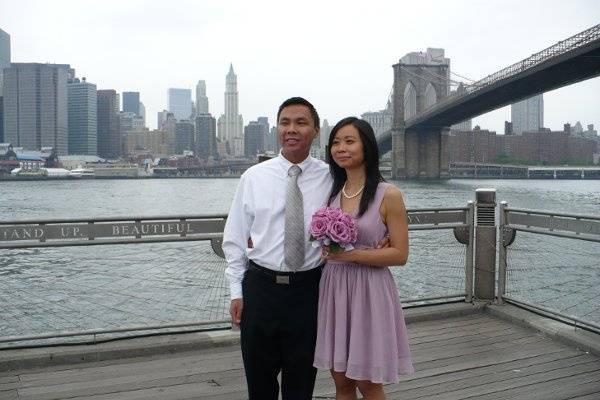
[82, 116]
[201, 99]
[206, 138]
[4, 55]
[109, 138]
[231, 123]
[131, 102]
[527, 115]
[255, 136]
[184, 136]
[1, 119]
[180, 103]
[35, 106]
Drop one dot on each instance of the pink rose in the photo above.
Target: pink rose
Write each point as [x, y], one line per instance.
[318, 226]
[339, 233]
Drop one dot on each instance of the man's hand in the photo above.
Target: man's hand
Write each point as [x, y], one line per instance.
[235, 310]
[384, 243]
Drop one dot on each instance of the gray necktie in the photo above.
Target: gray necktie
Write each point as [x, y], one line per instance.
[293, 236]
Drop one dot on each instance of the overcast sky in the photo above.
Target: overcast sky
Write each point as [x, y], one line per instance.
[337, 54]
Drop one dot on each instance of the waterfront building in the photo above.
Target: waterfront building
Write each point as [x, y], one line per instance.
[201, 99]
[324, 133]
[206, 136]
[109, 138]
[274, 138]
[142, 113]
[255, 134]
[129, 122]
[1, 119]
[538, 147]
[82, 117]
[180, 103]
[35, 106]
[381, 121]
[231, 123]
[184, 136]
[158, 143]
[4, 56]
[131, 102]
[527, 115]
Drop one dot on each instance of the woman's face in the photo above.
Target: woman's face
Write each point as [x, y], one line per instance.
[347, 148]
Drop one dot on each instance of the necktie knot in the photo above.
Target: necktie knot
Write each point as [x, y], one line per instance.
[294, 171]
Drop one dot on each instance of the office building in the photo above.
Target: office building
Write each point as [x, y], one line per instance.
[4, 55]
[231, 123]
[206, 136]
[180, 103]
[82, 117]
[528, 115]
[131, 102]
[201, 99]
[255, 136]
[109, 138]
[184, 137]
[35, 106]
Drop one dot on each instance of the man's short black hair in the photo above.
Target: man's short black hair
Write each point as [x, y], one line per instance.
[303, 102]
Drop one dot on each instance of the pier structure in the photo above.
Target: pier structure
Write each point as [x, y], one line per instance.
[500, 303]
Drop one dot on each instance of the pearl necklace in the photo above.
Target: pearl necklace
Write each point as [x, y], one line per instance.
[353, 195]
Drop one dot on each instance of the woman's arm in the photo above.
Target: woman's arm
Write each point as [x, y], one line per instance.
[393, 213]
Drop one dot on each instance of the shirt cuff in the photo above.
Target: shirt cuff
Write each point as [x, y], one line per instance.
[235, 289]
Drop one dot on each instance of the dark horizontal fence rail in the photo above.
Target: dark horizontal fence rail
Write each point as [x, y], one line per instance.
[150, 229]
[103, 231]
[584, 227]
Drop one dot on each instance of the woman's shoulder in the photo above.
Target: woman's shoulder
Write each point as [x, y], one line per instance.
[391, 193]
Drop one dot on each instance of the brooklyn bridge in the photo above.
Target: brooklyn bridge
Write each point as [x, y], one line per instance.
[424, 108]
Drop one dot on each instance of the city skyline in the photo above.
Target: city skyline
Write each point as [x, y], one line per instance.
[476, 46]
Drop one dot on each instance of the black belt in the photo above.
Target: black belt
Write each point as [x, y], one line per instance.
[286, 278]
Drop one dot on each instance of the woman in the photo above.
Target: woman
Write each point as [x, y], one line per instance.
[361, 334]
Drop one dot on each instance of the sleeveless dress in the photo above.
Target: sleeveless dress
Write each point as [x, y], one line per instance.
[361, 329]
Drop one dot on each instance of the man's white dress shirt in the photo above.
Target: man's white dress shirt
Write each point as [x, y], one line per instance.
[258, 212]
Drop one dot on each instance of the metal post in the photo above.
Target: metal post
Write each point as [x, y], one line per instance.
[469, 254]
[485, 244]
[502, 252]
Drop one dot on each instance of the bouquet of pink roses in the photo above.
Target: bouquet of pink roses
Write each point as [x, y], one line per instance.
[334, 228]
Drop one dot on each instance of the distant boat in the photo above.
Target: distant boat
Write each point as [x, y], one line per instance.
[84, 172]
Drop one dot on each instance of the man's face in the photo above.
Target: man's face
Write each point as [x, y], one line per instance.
[296, 130]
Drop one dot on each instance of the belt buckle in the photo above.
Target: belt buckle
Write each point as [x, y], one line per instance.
[282, 279]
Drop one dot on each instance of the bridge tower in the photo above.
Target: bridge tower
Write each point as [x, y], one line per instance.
[420, 80]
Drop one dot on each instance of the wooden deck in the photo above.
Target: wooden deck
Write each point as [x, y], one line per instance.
[467, 357]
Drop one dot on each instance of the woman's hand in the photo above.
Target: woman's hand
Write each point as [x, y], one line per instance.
[339, 255]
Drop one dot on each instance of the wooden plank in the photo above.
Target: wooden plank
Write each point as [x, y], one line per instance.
[140, 364]
[9, 395]
[483, 377]
[480, 389]
[561, 388]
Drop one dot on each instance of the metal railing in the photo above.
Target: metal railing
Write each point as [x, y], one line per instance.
[549, 224]
[112, 232]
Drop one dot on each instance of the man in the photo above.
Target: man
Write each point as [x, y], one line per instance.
[274, 276]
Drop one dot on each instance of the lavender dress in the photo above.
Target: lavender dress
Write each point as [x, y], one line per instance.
[361, 329]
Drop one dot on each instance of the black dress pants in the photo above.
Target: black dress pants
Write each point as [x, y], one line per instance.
[278, 332]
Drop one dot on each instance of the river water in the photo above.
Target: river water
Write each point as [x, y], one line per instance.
[82, 288]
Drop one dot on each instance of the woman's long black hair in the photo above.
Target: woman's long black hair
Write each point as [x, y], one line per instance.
[371, 159]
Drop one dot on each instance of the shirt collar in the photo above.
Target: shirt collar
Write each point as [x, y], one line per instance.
[286, 164]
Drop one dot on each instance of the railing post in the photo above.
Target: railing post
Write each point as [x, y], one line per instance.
[469, 255]
[502, 252]
[485, 244]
